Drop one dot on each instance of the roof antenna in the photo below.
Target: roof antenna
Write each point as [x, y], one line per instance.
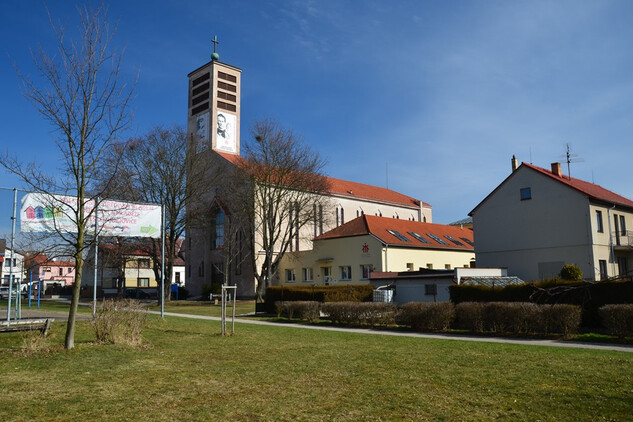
[570, 158]
[531, 154]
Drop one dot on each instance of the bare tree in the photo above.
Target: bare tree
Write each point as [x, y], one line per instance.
[81, 95]
[228, 239]
[156, 168]
[286, 194]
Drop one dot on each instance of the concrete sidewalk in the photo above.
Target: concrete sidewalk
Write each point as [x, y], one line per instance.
[454, 337]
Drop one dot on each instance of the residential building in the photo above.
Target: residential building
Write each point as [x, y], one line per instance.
[51, 272]
[128, 266]
[538, 220]
[348, 254]
[18, 270]
[214, 135]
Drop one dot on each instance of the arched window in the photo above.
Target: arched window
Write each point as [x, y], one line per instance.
[217, 230]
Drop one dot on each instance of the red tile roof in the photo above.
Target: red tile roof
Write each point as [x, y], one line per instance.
[58, 264]
[354, 190]
[379, 226]
[592, 190]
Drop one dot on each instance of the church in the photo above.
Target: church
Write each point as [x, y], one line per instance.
[217, 254]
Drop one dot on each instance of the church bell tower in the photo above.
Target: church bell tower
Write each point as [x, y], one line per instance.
[213, 119]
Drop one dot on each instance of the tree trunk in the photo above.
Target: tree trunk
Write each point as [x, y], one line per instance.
[74, 303]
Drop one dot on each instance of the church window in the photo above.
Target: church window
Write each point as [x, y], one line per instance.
[217, 230]
[320, 219]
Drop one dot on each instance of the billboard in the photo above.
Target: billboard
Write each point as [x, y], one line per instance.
[226, 132]
[56, 213]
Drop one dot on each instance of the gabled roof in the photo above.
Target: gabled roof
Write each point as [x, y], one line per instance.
[591, 190]
[380, 228]
[345, 188]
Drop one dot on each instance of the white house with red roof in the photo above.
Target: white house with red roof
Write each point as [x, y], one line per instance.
[538, 220]
[348, 253]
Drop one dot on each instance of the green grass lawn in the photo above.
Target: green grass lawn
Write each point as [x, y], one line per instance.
[187, 371]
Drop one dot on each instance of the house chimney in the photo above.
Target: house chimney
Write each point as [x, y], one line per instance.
[515, 163]
[556, 170]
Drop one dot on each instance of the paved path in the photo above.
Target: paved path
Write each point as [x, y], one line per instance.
[38, 313]
[456, 337]
[63, 316]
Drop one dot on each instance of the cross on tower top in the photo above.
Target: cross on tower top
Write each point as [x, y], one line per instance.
[215, 56]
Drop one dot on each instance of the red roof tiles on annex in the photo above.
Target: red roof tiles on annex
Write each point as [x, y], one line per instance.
[353, 189]
[379, 226]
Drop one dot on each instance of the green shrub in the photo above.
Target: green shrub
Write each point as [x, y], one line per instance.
[617, 319]
[571, 272]
[305, 310]
[349, 293]
[470, 316]
[496, 317]
[511, 317]
[589, 296]
[360, 313]
[422, 316]
[120, 322]
[560, 318]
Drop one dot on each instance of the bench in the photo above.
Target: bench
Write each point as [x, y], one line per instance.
[42, 325]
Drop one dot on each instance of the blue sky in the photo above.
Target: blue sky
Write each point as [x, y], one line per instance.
[440, 93]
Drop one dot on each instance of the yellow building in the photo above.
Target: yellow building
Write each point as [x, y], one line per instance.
[348, 253]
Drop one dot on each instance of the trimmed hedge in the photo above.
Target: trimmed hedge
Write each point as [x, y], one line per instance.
[470, 316]
[305, 310]
[517, 318]
[360, 313]
[422, 316]
[589, 296]
[617, 319]
[349, 293]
